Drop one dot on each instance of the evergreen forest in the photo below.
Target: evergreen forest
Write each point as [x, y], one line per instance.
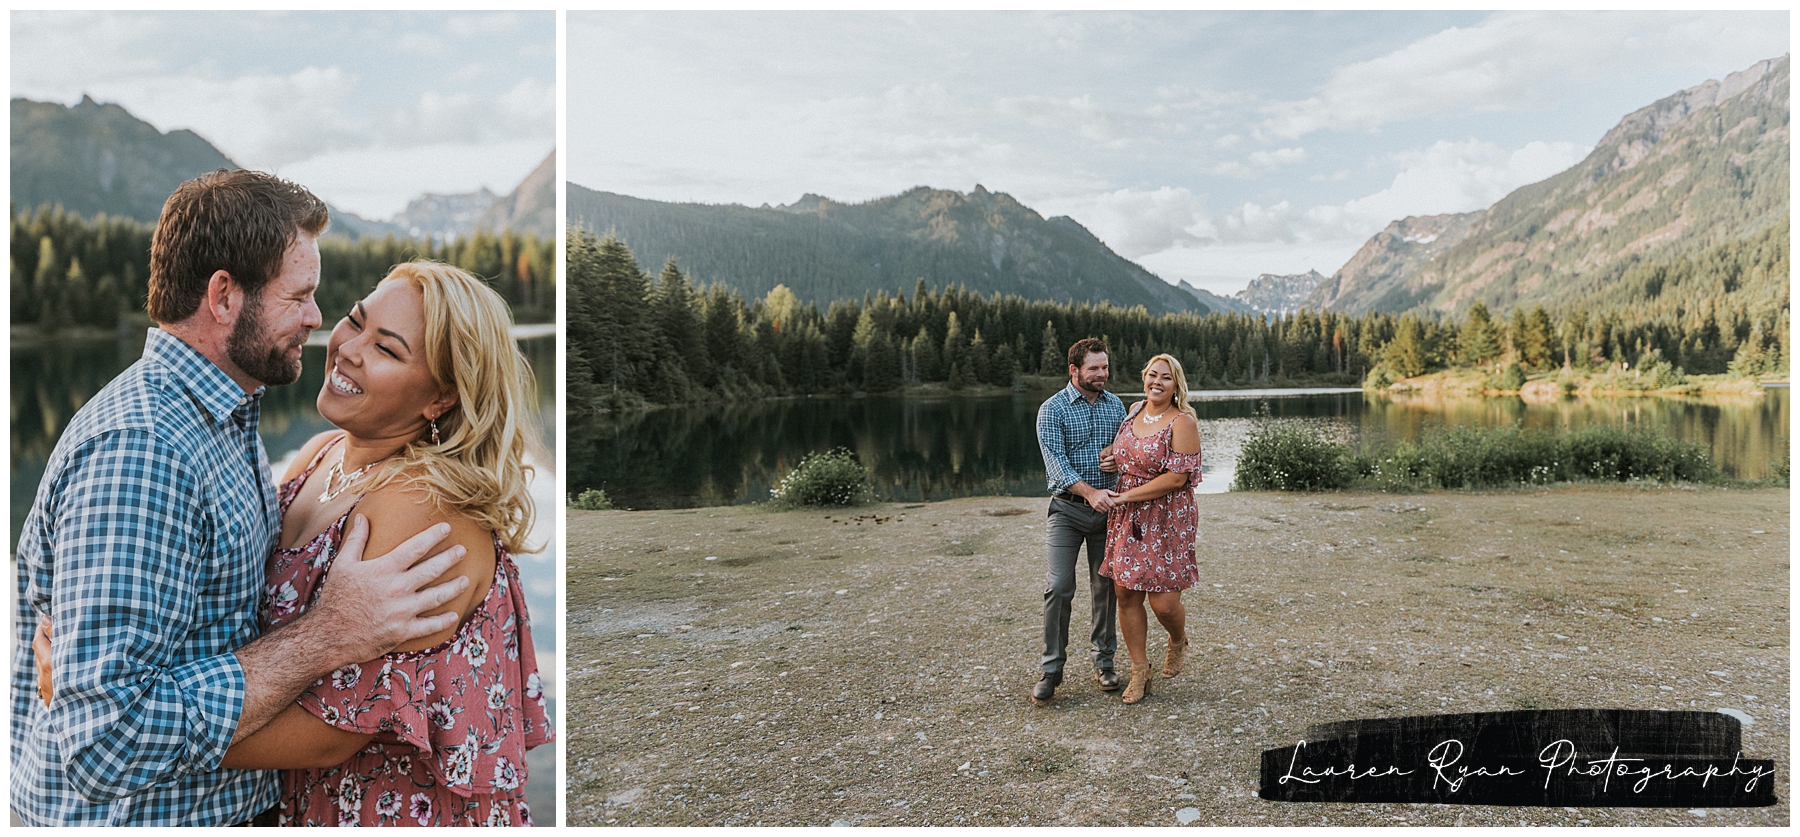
[637, 339]
[68, 271]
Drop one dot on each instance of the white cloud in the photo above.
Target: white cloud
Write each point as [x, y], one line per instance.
[1511, 61]
[1260, 162]
[420, 43]
[376, 182]
[1460, 177]
[257, 120]
[526, 110]
[1137, 222]
[1443, 177]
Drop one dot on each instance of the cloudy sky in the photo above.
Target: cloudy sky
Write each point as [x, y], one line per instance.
[368, 110]
[1210, 147]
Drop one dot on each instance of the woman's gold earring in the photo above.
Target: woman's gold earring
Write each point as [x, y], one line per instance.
[434, 432]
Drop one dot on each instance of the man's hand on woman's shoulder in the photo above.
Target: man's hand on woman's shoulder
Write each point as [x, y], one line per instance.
[396, 512]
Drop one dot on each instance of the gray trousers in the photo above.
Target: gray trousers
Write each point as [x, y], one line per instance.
[1071, 525]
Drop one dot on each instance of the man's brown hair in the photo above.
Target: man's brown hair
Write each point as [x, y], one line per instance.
[1085, 346]
[238, 221]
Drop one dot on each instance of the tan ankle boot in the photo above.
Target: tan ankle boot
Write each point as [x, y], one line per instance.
[1176, 658]
[1140, 684]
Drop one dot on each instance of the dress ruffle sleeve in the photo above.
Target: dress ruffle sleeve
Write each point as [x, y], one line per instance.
[471, 716]
[1184, 463]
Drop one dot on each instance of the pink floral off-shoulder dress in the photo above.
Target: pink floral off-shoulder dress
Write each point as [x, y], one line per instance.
[1150, 545]
[451, 723]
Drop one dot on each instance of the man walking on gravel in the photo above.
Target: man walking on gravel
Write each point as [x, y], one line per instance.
[1074, 427]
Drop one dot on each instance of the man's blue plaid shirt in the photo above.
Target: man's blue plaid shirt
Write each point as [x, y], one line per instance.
[146, 546]
[1071, 433]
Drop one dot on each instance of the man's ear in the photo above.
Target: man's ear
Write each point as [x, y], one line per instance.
[224, 298]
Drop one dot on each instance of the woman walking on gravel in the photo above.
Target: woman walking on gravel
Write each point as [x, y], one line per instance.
[1150, 531]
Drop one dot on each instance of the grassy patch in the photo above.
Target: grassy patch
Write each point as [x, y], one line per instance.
[1296, 457]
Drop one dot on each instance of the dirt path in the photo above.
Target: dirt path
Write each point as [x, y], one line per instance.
[737, 666]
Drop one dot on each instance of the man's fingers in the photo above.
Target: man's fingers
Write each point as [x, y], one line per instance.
[415, 547]
[421, 575]
[436, 596]
[40, 649]
[428, 625]
[351, 548]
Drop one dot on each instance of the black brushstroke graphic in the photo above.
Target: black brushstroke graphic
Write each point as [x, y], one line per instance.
[1562, 757]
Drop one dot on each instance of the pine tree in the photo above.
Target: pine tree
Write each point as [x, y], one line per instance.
[926, 359]
[1003, 368]
[955, 347]
[1537, 340]
[1405, 354]
[1052, 359]
[980, 359]
[1477, 343]
[881, 365]
[677, 320]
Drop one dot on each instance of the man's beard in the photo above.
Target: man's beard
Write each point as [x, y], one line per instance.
[260, 355]
[1093, 384]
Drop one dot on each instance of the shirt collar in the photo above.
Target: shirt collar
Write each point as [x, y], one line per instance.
[217, 393]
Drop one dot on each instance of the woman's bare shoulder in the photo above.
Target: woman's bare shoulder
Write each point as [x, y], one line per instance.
[1186, 432]
[307, 452]
[400, 510]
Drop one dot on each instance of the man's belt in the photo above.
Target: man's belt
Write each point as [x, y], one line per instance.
[1072, 497]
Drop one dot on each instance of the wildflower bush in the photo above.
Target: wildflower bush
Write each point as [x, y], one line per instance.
[592, 499]
[830, 478]
[1291, 456]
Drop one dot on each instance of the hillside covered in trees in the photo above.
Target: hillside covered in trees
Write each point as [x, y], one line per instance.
[68, 271]
[822, 250]
[1683, 180]
[636, 339]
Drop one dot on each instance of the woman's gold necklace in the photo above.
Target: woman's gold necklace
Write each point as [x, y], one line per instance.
[337, 472]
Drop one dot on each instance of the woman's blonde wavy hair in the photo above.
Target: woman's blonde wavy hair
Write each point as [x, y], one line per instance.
[478, 468]
[1180, 384]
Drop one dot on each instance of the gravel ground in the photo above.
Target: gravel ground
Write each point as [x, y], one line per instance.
[740, 666]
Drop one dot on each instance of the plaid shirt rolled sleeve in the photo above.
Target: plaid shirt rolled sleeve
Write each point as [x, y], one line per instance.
[145, 546]
[1071, 433]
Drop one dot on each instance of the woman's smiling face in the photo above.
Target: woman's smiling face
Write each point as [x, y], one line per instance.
[377, 383]
[1159, 382]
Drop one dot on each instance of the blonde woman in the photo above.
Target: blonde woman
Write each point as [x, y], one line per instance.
[1150, 531]
[432, 401]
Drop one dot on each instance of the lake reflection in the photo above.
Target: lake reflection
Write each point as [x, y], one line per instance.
[943, 447]
[52, 381]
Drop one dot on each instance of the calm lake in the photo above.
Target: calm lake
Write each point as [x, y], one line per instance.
[50, 382]
[937, 448]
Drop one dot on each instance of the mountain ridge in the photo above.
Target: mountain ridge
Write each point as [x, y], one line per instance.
[823, 249]
[1691, 171]
[94, 158]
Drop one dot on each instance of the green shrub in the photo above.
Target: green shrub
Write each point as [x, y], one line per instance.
[1614, 453]
[1510, 378]
[1379, 377]
[1291, 456]
[1469, 456]
[592, 499]
[831, 478]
